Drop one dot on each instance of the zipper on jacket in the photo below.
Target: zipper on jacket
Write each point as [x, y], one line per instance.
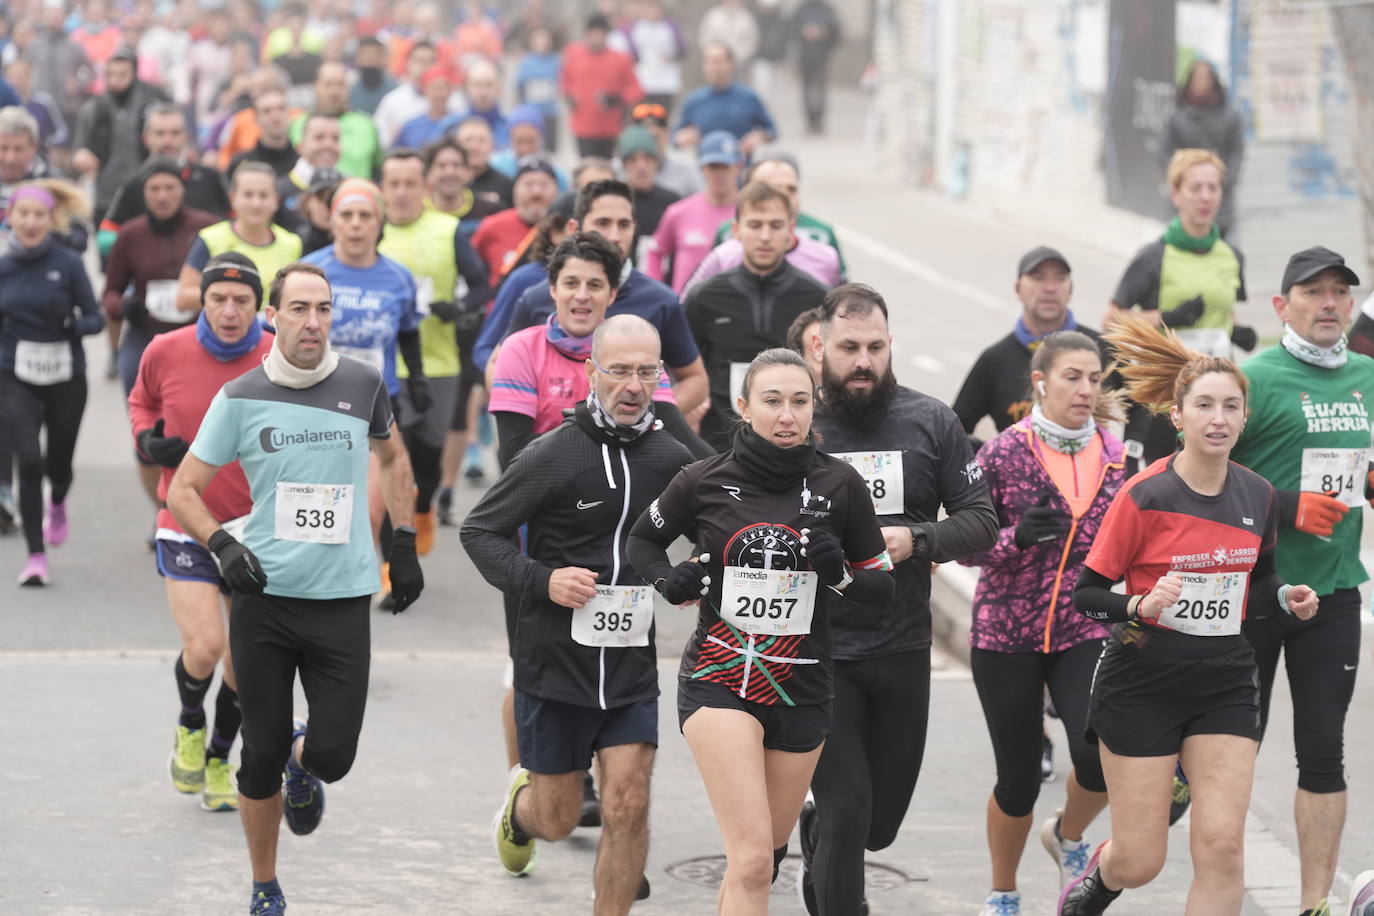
[615, 553]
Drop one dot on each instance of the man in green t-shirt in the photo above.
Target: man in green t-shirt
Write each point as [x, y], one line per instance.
[360, 150]
[1308, 434]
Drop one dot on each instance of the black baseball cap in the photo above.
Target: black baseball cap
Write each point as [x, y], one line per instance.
[324, 179]
[1037, 256]
[1309, 262]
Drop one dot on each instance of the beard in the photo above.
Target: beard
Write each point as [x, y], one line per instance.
[859, 408]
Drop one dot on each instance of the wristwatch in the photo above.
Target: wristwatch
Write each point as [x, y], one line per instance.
[920, 543]
[841, 585]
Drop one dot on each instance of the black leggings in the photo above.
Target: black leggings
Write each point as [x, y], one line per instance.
[27, 411]
[329, 643]
[424, 465]
[1321, 656]
[868, 768]
[1011, 687]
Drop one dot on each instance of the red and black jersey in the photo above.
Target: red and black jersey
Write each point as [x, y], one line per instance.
[741, 524]
[1158, 524]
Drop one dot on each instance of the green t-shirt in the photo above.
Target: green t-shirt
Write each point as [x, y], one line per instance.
[360, 152]
[1300, 415]
[425, 248]
[808, 227]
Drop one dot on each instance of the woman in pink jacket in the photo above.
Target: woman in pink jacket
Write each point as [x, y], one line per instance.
[1051, 477]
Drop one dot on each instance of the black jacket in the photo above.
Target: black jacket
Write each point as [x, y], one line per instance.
[733, 316]
[579, 491]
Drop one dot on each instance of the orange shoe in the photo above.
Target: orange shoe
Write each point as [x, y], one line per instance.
[386, 580]
[424, 531]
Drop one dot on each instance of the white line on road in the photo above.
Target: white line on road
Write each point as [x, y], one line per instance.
[924, 271]
[928, 364]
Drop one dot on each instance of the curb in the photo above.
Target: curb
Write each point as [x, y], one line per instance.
[951, 608]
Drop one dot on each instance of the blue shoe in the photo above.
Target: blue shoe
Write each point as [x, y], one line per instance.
[472, 462]
[303, 798]
[486, 429]
[265, 904]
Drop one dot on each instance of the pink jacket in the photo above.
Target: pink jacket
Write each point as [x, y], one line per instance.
[816, 258]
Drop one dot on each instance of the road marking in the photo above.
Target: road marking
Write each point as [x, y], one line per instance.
[928, 364]
[923, 271]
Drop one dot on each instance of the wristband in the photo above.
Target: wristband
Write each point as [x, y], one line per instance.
[841, 585]
[1283, 599]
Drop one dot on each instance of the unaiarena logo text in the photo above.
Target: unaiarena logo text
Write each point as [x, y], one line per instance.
[322, 440]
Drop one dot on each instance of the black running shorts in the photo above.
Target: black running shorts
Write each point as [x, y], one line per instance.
[797, 729]
[555, 737]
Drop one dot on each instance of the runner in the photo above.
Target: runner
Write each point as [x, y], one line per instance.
[46, 307]
[782, 171]
[1193, 537]
[1308, 435]
[586, 683]
[1189, 280]
[998, 385]
[1052, 476]
[804, 336]
[683, 237]
[915, 459]
[253, 194]
[451, 284]
[501, 237]
[737, 313]
[778, 529]
[304, 573]
[447, 174]
[180, 374]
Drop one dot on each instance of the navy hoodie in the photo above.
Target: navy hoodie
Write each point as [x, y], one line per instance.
[40, 289]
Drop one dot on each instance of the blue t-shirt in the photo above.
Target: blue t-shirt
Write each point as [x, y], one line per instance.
[371, 306]
[289, 441]
[736, 109]
[422, 130]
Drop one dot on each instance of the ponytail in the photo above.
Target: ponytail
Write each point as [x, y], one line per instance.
[1158, 369]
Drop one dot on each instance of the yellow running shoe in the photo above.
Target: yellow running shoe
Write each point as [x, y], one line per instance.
[187, 761]
[516, 851]
[221, 794]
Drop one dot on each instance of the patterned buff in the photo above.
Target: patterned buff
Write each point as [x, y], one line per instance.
[619, 431]
[1326, 357]
[570, 346]
[1062, 439]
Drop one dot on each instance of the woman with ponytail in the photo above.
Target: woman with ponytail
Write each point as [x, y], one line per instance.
[1051, 477]
[1193, 538]
[46, 307]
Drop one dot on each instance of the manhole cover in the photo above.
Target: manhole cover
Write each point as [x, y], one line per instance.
[707, 871]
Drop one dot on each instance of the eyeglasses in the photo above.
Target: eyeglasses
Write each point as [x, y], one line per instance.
[647, 374]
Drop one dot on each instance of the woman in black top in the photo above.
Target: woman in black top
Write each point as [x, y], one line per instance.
[786, 526]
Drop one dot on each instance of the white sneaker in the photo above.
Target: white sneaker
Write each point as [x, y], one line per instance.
[1069, 857]
[1002, 903]
[1361, 894]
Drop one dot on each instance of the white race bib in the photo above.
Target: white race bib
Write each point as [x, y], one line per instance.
[737, 373]
[160, 298]
[1342, 470]
[772, 601]
[43, 363]
[424, 294]
[373, 356]
[314, 512]
[882, 471]
[1207, 341]
[1211, 604]
[618, 616]
[540, 90]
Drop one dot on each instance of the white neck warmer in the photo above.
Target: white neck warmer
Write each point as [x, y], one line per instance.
[281, 371]
[1305, 350]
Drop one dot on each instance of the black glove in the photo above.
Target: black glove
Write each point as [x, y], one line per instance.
[238, 567]
[418, 389]
[135, 311]
[470, 317]
[164, 450]
[406, 579]
[447, 311]
[59, 315]
[1041, 524]
[825, 553]
[1186, 314]
[1244, 337]
[687, 581]
[610, 100]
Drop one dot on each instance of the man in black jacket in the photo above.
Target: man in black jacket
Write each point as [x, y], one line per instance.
[742, 311]
[912, 452]
[585, 672]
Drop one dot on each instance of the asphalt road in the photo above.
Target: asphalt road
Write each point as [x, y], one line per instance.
[89, 824]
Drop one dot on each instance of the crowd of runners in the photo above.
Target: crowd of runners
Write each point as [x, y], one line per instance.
[334, 271]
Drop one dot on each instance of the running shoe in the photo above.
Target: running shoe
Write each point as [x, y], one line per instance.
[1361, 894]
[424, 532]
[644, 889]
[1087, 895]
[35, 571]
[1180, 797]
[265, 904]
[472, 463]
[55, 526]
[1002, 903]
[444, 507]
[220, 793]
[303, 799]
[1047, 760]
[591, 808]
[516, 851]
[8, 512]
[1321, 909]
[187, 761]
[806, 833]
[1070, 857]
